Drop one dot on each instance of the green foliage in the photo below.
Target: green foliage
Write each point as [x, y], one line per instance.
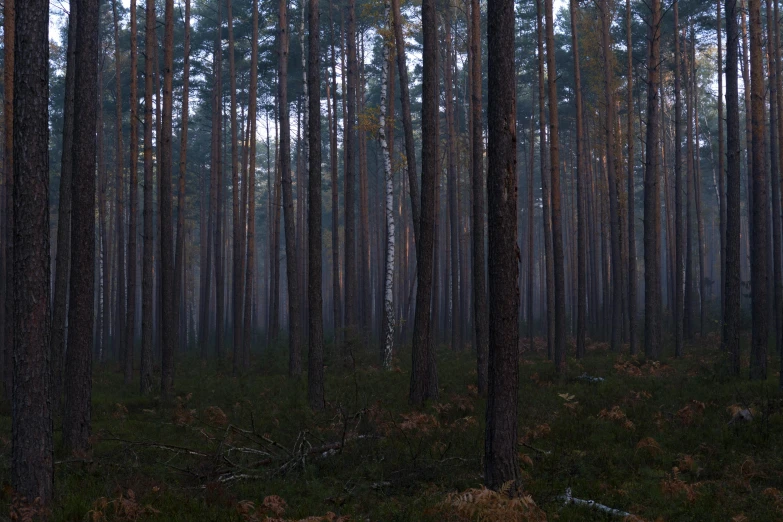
[653, 439]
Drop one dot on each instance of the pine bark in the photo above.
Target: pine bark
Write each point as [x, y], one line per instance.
[63, 260]
[422, 386]
[632, 337]
[78, 360]
[721, 163]
[120, 190]
[32, 448]
[315, 369]
[480, 312]
[130, 325]
[349, 139]
[336, 288]
[388, 293]
[9, 18]
[759, 278]
[652, 211]
[500, 446]
[452, 186]
[238, 228]
[147, 275]
[558, 261]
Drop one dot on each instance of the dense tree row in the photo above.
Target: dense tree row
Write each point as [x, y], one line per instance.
[508, 206]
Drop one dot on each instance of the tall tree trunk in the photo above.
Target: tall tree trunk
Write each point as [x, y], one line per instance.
[251, 191]
[336, 290]
[315, 368]
[500, 446]
[697, 193]
[294, 332]
[179, 260]
[545, 187]
[480, 312]
[554, 169]
[422, 386]
[652, 210]
[452, 187]
[147, 275]
[721, 164]
[633, 341]
[32, 453]
[407, 123]
[351, 279]
[758, 353]
[78, 360]
[779, 89]
[688, 321]
[775, 177]
[130, 325]
[679, 297]
[238, 228]
[169, 325]
[218, 186]
[580, 173]
[388, 293]
[614, 211]
[63, 261]
[9, 22]
[120, 190]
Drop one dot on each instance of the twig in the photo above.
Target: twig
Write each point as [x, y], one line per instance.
[568, 499]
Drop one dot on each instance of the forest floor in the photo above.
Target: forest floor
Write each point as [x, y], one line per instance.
[655, 440]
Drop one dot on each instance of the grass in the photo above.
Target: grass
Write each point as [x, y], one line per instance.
[652, 439]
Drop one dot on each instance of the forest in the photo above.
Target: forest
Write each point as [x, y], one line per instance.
[391, 260]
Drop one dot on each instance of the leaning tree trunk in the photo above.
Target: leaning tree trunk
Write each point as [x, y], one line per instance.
[500, 446]
[32, 448]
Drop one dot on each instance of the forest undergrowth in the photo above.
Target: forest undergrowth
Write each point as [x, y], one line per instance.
[670, 440]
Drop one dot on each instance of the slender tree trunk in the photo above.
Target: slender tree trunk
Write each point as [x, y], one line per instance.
[633, 341]
[580, 173]
[147, 275]
[545, 187]
[336, 290]
[422, 386]
[614, 211]
[315, 368]
[63, 261]
[238, 228]
[251, 191]
[294, 333]
[78, 360]
[554, 169]
[351, 279]
[130, 326]
[32, 453]
[120, 190]
[480, 312]
[179, 260]
[779, 89]
[652, 210]
[407, 123]
[9, 22]
[500, 446]
[759, 280]
[679, 298]
[388, 294]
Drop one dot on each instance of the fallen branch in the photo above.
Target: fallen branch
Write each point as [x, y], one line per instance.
[539, 450]
[568, 499]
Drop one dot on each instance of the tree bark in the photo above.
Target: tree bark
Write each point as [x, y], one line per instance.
[238, 228]
[147, 275]
[336, 289]
[120, 190]
[652, 211]
[294, 333]
[731, 310]
[554, 169]
[422, 386]
[452, 186]
[633, 341]
[480, 312]
[9, 18]
[758, 353]
[388, 293]
[351, 279]
[130, 326]
[78, 360]
[63, 260]
[32, 453]
[500, 446]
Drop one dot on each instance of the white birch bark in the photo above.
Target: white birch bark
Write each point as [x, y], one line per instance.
[388, 299]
